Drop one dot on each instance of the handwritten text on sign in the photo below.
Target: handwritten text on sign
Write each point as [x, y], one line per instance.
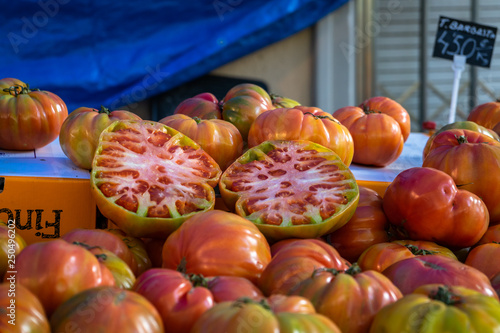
[474, 41]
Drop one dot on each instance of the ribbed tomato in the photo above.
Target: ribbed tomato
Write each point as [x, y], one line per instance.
[203, 106]
[303, 123]
[487, 114]
[245, 315]
[149, 178]
[8, 82]
[481, 258]
[215, 243]
[29, 119]
[380, 256]
[472, 159]
[294, 260]
[440, 308]
[424, 203]
[291, 189]
[379, 128]
[469, 125]
[21, 311]
[107, 310]
[219, 138]
[368, 226]
[350, 298]
[80, 132]
[409, 274]
[243, 103]
[56, 270]
[182, 298]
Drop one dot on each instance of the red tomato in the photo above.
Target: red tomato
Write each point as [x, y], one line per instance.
[379, 128]
[149, 178]
[350, 298]
[219, 138]
[472, 159]
[487, 114]
[107, 310]
[243, 103]
[380, 256]
[181, 298]
[303, 123]
[80, 132]
[104, 239]
[29, 119]
[409, 274]
[425, 204]
[244, 315]
[21, 310]
[481, 258]
[491, 235]
[203, 106]
[294, 260]
[56, 270]
[368, 226]
[291, 189]
[11, 243]
[469, 125]
[217, 243]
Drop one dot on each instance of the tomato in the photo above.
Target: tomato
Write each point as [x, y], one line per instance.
[472, 159]
[21, 311]
[350, 298]
[217, 243]
[480, 257]
[11, 243]
[29, 119]
[56, 270]
[138, 249]
[291, 189]
[380, 256]
[149, 178]
[154, 247]
[379, 128]
[469, 125]
[244, 315]
[203, 106]
[368, 226]
[107, 309]
[425, 204]
[283, 102]
[243, 103]
[80, 132]
[303, 123]
[495, 282]
[408, 274]
[294, 260]
[440, 308]
[487, 114]
[6, 83]
[182, 298]
[121, 273]
[492, 234]
[104, 239]
[219, 138]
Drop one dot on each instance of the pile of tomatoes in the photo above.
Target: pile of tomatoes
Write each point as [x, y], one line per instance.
[242, 215]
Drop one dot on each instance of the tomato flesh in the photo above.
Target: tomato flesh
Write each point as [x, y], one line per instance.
[153, 171]
[290, 184]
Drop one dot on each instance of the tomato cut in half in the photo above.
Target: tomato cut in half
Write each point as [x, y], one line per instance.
[148, 178]
[291, 188]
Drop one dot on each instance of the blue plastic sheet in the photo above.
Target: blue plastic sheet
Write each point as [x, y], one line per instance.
[114, 53]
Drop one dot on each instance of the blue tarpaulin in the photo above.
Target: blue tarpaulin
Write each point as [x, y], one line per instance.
[114, 53]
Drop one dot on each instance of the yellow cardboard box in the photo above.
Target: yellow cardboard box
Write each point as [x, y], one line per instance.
[44, 193]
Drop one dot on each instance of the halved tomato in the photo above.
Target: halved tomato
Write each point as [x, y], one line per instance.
[149, 178]
[291, 189]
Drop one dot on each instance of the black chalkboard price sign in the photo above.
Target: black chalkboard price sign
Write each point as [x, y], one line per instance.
[472, 40]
